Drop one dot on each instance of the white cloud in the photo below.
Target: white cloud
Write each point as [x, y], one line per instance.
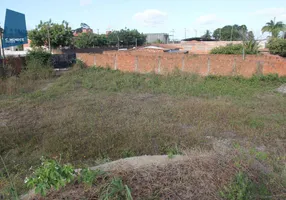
[279, 13]
[151, 17]
[85, 2]
[208, 19]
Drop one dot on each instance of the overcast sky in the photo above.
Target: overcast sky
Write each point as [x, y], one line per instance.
[151, 16]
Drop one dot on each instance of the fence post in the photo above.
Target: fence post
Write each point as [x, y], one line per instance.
[159, 64]
[136, 64]
[209, 66]
[94, 62]
[115, 62]
[259, 68]
[243, 53]
[183, 63]
[234, 67]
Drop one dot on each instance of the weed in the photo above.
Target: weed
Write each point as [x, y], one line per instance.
[116, 190]
[89, 177]
[128, 153]
[11, 189]
[51, 174]
[242, 188]
[262, 156]
[172, 151]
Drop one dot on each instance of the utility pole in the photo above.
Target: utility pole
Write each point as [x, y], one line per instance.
[117, 41]
[49, 40]
[136, 42]
[173, 31]
[97, 31]
[196, 32]
[185, 33]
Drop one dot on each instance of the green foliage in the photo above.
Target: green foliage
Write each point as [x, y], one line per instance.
[249, 47]
[233, 33]
[11, 189]
[42, 57]
[207, 35]
[89, 177]
[87, 40]
[35, 70]
[116, 190]
[128, 153]
[126, 37]
[275, 28]
[80, 64]
[172, 151]
[51, 174]
[242, 188]
[277, 46]
[59, 34]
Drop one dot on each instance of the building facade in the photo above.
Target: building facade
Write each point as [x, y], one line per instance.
[157, 38]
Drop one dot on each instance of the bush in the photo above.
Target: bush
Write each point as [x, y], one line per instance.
[277, 46]
[51, 174]
[41, 56]
[250, 47]
[35, 70]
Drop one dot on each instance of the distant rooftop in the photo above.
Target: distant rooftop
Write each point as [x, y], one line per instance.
[198, 39]
[156, 34]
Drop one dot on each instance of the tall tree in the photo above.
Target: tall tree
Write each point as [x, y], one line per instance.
[275, 28]
[207, 35]
[233, 33]
[57, 34]
[126, 37]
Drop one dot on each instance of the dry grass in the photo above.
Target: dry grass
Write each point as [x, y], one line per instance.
[93, 114]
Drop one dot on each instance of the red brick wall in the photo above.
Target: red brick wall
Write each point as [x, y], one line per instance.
[163, 63]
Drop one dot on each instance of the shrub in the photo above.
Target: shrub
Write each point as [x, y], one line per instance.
[250, 47]
[277, 46]
[35, 70]
[51, 174]
[41, 56]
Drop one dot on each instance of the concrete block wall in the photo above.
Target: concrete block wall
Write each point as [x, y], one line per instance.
[163, 63]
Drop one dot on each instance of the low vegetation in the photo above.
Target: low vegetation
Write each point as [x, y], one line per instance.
[248, 47]
[90, 115]
[277, 46]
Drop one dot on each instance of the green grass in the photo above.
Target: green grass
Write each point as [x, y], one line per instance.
[95, 113]
[243, 188]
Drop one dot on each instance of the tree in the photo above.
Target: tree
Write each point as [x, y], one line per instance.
[274, 28]
[233, 33]
[87, 40]
[126, 37]
[58, 34]
[277, 46]
[207, 35]
[217, 34]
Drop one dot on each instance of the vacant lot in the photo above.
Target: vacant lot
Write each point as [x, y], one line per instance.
[88, 116]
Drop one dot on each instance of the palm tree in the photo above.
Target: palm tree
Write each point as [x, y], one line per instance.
[274, 28]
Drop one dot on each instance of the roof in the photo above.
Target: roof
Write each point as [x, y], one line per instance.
[198, 39]
[156, 34]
